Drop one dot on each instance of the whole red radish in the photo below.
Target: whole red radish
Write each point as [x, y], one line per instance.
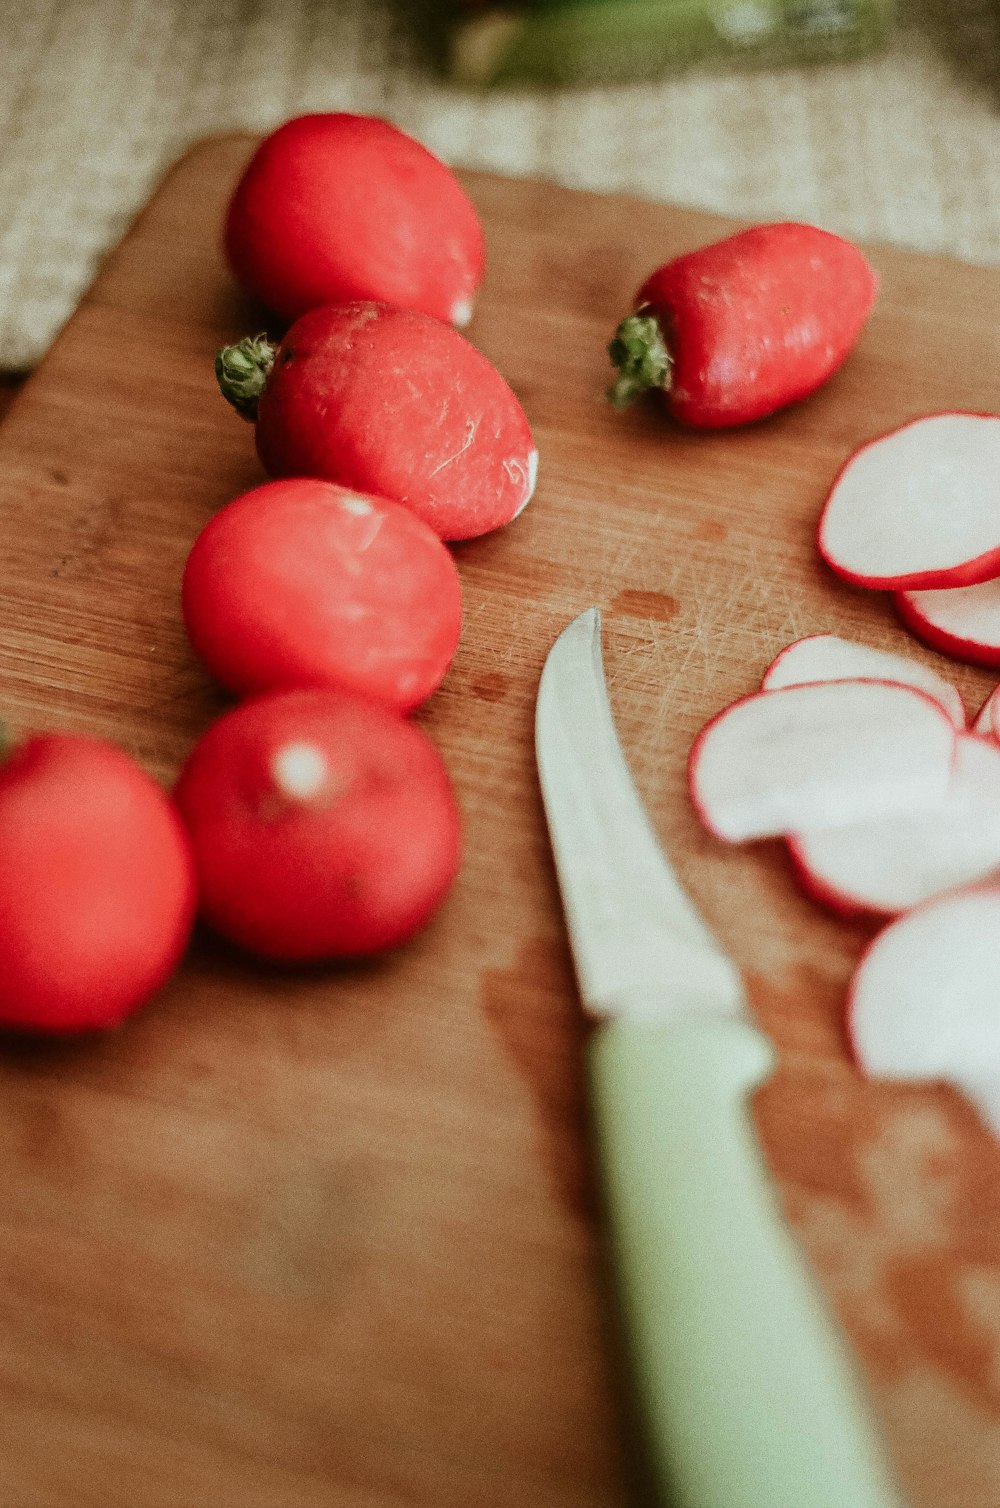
[97, 889]
[338, 207]
[738, 329]
[391, 402]
[304, 583]
[324, 825]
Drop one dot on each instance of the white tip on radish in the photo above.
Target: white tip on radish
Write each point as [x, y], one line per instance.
[887, 866]
[825, 657]
[532, 479]
[360, 506]
[963, 622]
[920, 507]
[299, 770]
[820, 755]
[925, 998]
[461, 313]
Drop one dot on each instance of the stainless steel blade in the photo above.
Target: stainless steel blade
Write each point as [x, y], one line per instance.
[639, 945]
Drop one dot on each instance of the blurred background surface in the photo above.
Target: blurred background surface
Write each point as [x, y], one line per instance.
[97, 97]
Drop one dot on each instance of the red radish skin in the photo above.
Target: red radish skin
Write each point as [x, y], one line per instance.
[815, 888]
[826, 657]
[304, 583]
[97, 887]
[338, 207]
[919, 508]
[922, 1004]
[961, 622]
[890, 865]
[822, 755]
[324, 825]
[391, 402]
[734, 331]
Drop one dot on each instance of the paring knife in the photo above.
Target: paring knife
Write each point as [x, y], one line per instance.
[746, 1391]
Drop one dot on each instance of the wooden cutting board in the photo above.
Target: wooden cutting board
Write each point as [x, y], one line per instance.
[330, 1238]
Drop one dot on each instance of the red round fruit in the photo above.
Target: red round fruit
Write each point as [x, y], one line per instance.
[97, 891]
[391, 402]
[304, 583]
[338, 207]
[324, 825]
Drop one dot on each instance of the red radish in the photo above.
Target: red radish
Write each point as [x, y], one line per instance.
[339, 207]
[97, 892]
[825, 657]
[324, 825]
[303, 583]
[963, 622]
[890, 864]
[988, 717]
[823, 755]
[923, 1002]
[733, 331]
[918, 508]
[391, 402]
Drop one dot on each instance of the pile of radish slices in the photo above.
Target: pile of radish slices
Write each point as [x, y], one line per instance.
[917, 513]
[889, 802]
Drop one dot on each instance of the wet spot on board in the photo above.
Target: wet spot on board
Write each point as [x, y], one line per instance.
[891, 1189]
[534, 1011]
[492, 687]
[58, 476]
[711, 530]
[636, 603]
[49, 1142]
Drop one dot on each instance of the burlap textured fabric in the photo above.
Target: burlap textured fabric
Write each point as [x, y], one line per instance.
[98, 96]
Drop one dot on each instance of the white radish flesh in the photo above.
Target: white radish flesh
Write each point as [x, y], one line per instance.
[925, 999]
[821, 755]
[887, 866]
[920, 507]
[987, 720]
[963, 622]
[826, 657]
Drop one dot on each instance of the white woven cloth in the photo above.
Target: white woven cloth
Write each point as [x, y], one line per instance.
[97, 97]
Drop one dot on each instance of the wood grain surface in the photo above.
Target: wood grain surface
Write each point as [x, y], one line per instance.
[297, 1240]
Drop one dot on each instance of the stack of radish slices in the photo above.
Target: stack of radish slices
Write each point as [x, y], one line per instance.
[917, 513]
[889, 802]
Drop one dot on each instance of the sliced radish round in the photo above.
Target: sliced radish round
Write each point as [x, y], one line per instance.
[918, 508]
[891, 864]
[988, 717]
[924, 1002]
[822, 755]
[825, 657]
[962, 621]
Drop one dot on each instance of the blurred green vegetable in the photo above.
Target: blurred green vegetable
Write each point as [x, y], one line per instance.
[602, 41]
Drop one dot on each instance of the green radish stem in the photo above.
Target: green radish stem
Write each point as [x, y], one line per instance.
[242, 371]
[640, 354]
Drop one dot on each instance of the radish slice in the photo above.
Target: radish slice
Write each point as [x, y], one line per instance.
[823, 755]
[825, 657]
[963, 622]
[987, 720]
[897, 862]
[918, 508]
[925, 999]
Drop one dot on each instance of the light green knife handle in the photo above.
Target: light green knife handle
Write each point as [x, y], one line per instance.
[747, 1395]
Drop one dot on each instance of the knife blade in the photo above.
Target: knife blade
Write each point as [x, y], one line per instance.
[746, 1392]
